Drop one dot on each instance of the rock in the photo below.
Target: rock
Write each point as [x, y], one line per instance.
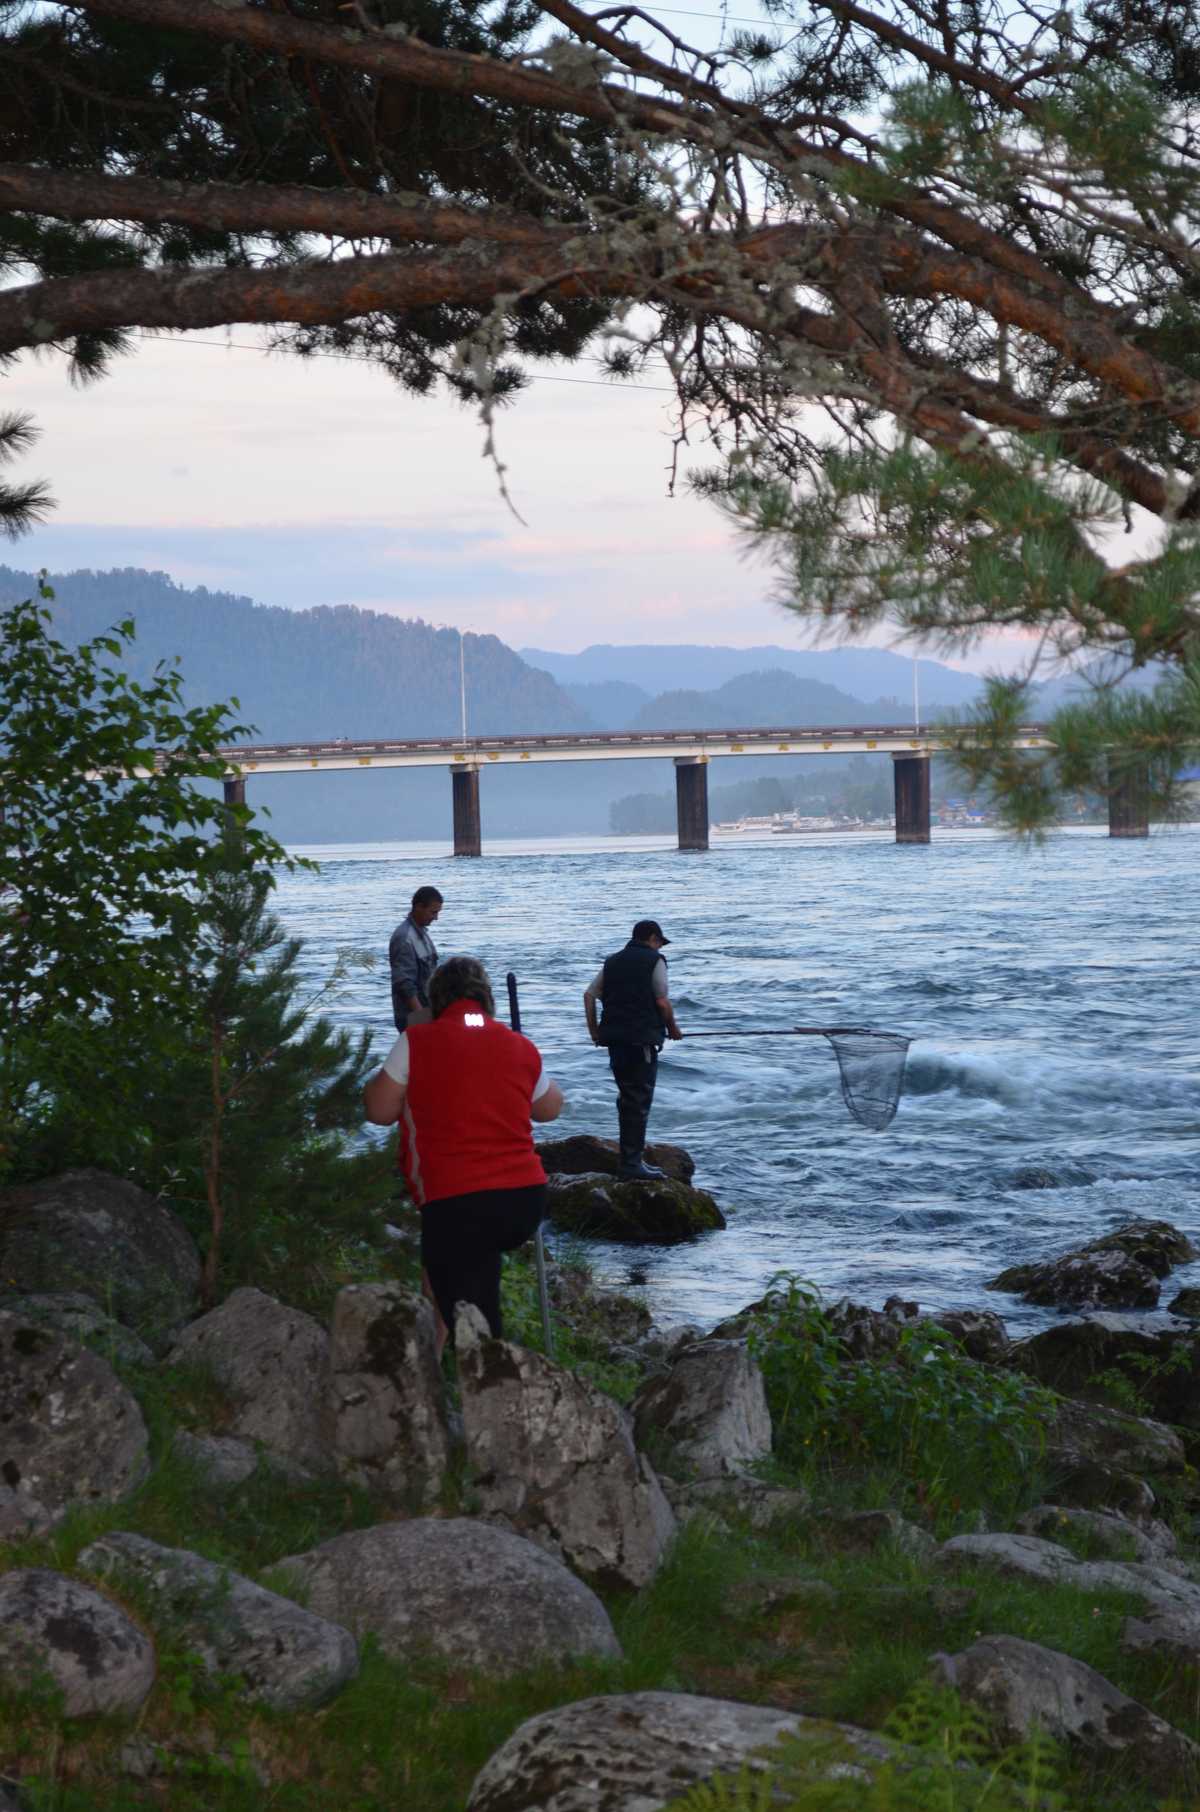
[708, 1413]
[287, 1657]
[1114, 1537]
[21, 1516]
[93, 1654]
[1083, 1281]
[70, 1432]
[105, 1238]
[79, 1318]
[1119, 1271]
[1161, 1371]
[763, 1594]
[596, 1313]
[222, 1462]
[635, 1752]
[385, 1408]
[645, 1214]
[1087, 1432]
[1091, 1485]
[865, 1333]
[555, 1459]
[272, 1361]
[1156, 1244]
[981, 1334]
[759, 1503]
[1186, 1305]
[584, 1155]
[477, 1595]
[1169, 1598]
[219, 1460]
[1022, 1687]
[864, 1531]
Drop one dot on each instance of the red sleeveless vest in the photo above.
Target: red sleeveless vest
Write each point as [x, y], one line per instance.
[465, 1125]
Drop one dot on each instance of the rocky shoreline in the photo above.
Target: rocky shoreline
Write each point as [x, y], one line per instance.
[509, 1525]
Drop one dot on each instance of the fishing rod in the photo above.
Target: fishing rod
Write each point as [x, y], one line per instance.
[514, 1016]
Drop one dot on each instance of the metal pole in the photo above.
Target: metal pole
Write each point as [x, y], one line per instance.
[462, 683]
[514, 1014]
[916, 698]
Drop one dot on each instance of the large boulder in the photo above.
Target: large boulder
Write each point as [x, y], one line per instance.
[81, 1319]
[55, 1629]
[286, 1657]
[640, 1214]
[1168, 1622]
[1082, 1358]
[708, 1414]
[1109, 1536]
[1119, 1271]
[105, 1238]
[479, 1596]
[1022, 1687]
[272, 1362]
[639, 1751]
[385, 1409]
[583, 1155]
[70, 1432]
[1082, 1432]
[555, 1459]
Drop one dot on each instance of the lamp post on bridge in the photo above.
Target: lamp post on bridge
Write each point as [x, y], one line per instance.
[464, 778]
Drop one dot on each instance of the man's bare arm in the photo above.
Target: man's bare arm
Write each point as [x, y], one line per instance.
[589, 1008]
[667, 1014]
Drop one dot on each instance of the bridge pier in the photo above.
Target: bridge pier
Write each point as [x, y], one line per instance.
[235, 789]
[691, 801]
[1128, 798]
[468, 825]
[911, 781]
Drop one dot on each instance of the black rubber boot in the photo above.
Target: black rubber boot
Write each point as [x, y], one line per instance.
[636, 1170]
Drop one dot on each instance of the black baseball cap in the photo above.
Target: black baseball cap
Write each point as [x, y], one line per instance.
[648, 928]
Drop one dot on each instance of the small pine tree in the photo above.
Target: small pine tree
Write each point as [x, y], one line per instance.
[250, 1116]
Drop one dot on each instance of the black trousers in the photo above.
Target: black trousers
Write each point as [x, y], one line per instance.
[635, 1071]
[464, 1238]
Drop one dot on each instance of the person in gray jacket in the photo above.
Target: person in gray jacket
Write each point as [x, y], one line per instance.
[412, 959]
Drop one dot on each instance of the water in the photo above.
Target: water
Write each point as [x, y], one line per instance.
[1053, 1088]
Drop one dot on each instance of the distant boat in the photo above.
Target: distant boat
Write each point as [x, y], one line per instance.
[796, 826]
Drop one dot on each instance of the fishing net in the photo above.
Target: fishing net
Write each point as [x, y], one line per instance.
[871, 1066]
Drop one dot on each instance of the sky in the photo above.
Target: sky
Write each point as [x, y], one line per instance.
[299, 483]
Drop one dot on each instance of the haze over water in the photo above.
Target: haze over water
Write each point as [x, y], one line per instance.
[1053, 995]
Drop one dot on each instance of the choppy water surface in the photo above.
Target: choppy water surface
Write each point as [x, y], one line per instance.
[1052, 1090]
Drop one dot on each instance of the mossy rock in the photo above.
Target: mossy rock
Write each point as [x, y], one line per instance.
[657, 1213]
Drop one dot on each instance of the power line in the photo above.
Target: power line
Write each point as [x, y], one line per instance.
[687, 12]
[359, 358]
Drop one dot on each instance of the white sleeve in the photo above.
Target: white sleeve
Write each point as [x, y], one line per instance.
[541, 1085]
[658, 980]
[396, 1062]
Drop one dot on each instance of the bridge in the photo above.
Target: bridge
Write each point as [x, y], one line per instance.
[691, 751]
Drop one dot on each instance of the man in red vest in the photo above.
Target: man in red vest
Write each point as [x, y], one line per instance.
[464, 1090]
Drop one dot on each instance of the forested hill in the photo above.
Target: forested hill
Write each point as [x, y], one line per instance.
[763, 701]
[323, 673]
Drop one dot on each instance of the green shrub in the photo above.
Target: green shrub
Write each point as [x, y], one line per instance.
[961, 1435]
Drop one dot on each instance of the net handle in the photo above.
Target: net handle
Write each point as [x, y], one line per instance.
[791, 1032]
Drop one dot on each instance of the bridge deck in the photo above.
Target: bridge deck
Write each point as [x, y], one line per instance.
[596, 745]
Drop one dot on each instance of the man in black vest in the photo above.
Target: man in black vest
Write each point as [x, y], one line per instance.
[637, 1014]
